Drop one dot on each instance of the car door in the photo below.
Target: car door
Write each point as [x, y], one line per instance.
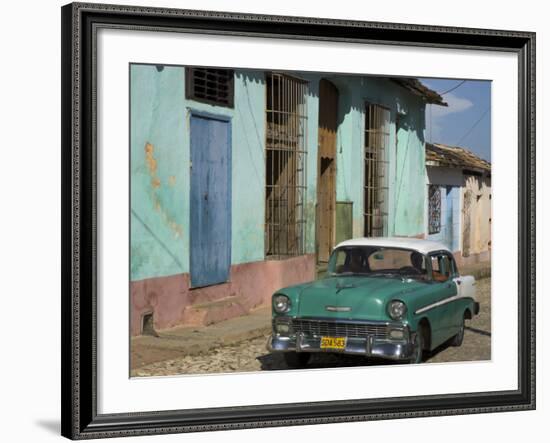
[465, 289]
[442, 316]
[465, 284]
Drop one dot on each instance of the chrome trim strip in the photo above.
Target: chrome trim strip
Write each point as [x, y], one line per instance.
[345, 320]
[441, 303]
[370, 347]
[338, 308]
[319, 328]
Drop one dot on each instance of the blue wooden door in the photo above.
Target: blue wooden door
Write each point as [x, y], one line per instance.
[210, 257]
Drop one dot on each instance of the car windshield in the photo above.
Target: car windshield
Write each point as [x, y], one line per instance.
[375, 261]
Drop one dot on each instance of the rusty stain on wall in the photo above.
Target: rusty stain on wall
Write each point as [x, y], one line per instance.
[167, 218]
[152, 166]
[150, 158]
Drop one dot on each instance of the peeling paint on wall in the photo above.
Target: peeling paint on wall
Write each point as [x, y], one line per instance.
[476, 214]
[150, 159]
[152, 166]
[151, 163]
[167, 219]
[156, 134]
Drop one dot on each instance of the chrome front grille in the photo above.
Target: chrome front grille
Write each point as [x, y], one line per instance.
[338, 329]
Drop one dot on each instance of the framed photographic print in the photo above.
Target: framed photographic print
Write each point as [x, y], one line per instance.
[272, 221]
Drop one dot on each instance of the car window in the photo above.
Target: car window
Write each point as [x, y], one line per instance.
[378, 261]
[443, 267]
[410, 264]
[454, 269]
[389, 258]
[340, 259]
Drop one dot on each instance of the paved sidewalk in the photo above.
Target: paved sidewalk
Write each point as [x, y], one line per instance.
[188, 341]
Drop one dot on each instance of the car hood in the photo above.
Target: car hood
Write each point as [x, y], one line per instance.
[361, 298]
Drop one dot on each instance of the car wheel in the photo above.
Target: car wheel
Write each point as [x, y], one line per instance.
[418, 352]
[296, 359]
[459, 337]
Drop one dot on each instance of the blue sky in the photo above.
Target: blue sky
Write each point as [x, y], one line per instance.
[466, 122]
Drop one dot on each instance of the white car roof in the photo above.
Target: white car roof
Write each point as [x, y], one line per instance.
[415, 244]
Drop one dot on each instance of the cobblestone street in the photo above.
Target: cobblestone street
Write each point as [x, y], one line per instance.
[251, 355]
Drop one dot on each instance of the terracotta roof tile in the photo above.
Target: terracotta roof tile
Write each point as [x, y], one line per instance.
[454, 156]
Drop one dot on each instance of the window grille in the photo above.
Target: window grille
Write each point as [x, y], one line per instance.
[286, 118]
[377, 137]
[213, 86]
[434, 209]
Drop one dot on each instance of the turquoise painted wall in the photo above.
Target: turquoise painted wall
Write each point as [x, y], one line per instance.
[409, 192]
[160, 163]
[158, 172]
[160, 166]
[311, 163]
[406, 153]
[248, 200]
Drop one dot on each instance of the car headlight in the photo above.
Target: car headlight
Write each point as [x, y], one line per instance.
[281, 303]
[397, 309]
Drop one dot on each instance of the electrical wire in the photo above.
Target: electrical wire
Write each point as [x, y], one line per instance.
[473, 126]
[453, 88]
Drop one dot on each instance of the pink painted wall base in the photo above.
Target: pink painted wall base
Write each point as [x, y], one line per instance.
[173, 303]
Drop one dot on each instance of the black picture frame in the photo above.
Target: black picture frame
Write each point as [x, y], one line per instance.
[79, 211]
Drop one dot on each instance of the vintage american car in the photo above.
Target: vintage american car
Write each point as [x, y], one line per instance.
[391, 298]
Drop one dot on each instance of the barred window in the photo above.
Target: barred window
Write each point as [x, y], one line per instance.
[209, 85]
[434, 209]
[286, 116]
[377, 136]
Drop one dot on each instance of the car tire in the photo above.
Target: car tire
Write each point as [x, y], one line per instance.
[459, 337]
[418, 353]
[296, 359]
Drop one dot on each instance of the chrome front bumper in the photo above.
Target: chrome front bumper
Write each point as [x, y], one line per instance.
[367, 346]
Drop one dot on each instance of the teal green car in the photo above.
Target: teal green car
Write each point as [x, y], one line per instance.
[390, 298]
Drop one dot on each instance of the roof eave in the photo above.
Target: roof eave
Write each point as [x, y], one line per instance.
[414, 86]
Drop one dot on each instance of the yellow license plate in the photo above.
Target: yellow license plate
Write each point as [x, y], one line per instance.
[333, 343]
